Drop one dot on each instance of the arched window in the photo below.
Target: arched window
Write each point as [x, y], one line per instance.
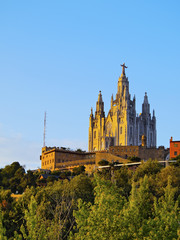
[94, 134]
[120, 130]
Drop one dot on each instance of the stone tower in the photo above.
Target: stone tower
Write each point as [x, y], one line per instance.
[121, 126]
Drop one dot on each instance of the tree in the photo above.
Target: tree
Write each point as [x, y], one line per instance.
[165, 222]
[30, 178]
[162, 180]
[134, 159]
[136, 212]
[78, 170]
[100, 221]
[81, 186]
[2, 229]
[80, 150]
[35, 228]
[103, 162]
[177, 163]
[151, 167]
[51, 178]
[123, 179]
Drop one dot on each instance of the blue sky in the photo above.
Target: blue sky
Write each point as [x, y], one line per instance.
[55, 56]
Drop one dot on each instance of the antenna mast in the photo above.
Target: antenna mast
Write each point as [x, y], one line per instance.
[44, 138]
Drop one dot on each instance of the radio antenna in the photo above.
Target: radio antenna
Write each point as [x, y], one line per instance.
[44, 137]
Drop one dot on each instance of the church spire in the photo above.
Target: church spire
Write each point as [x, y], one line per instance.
[100, 97]
[100, 105]
[123, 69]
[91, 111]
[145, 105]
[122, 83]
[112, 100]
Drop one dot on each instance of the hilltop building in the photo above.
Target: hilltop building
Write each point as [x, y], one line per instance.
[55, 158]
[116, 138]
[122, 126]
[174, 148]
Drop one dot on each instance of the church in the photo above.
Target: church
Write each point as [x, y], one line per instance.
[122, 126]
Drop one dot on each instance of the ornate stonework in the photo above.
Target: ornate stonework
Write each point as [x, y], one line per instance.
[121, 127]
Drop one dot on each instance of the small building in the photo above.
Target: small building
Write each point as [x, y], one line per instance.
[174, 148]
[55, 158]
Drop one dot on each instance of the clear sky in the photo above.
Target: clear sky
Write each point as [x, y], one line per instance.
[56, 55]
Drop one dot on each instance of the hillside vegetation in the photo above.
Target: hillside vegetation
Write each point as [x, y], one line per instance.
[115, 203]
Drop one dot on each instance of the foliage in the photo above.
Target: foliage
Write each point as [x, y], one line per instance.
[177, 163]
[123, 179]
[78, 170]
[148, 168]
[14, 177]
[134, 159]
[116, 203]
[35, 229]
[79, 150]
[142, 217]
[165, 223]
[103, 162]
[2, 229]
[163, 176]
[98, 221]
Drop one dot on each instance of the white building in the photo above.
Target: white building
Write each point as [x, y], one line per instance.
[122, 126]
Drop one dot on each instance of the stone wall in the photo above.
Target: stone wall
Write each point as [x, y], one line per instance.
[138, 151]
[109, 157]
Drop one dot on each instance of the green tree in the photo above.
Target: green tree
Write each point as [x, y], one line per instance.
[165, 223]
[134, 159]
[162, 180]
[151, 167]
[100, 221]
[2, 229]
[123, 179]
[35, 228]
[30, 179]
[136, 212]
[81, 186]
[78, 170]
[103, 162]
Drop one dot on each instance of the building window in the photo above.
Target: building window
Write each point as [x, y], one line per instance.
[175, 145]
[94, 134]
[175, 153]
[151, 138]
[130, 132]
[120, 130]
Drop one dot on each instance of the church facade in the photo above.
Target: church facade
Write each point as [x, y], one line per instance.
[122, 126]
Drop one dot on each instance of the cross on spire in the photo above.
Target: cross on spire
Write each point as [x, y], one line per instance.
[123, 68]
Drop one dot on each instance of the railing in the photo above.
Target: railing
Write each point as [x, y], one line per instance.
[135, 163]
